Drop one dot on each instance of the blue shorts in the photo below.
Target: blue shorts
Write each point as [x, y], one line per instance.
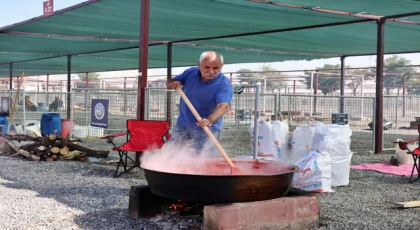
[194, 135]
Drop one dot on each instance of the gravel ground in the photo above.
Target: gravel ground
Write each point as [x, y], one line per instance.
[76, 195]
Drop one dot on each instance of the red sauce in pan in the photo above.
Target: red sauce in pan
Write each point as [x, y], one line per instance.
[221, 167]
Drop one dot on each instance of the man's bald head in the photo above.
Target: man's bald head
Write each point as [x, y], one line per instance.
[211, 56]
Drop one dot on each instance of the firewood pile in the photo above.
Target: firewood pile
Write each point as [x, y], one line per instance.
[49, 148]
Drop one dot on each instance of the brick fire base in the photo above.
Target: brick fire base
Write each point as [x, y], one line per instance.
[291, 212]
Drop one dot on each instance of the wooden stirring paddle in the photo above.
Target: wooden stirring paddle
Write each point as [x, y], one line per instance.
[235, 170]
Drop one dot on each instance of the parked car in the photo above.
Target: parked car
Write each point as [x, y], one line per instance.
[386, 124]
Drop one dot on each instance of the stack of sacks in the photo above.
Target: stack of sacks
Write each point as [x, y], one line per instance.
[301, 143]
[272, 140]
[335, 139]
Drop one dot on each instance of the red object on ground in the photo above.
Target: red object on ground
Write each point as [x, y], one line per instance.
[385, 167]
[65, 127]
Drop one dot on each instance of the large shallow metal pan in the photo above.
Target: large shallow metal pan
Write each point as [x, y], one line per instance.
[213, 184]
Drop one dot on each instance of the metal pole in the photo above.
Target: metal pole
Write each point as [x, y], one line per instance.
[276, 107]
[257, 99]
[143, 58]
[379, 86]
[403, 94]
[362, 85]
[71, 113]
[11, 76]
[294, 86]
[143, 55]
[87, 80]
[48, 81]
[168, 77]
[68, 85]
[343, 67]
[315, 92]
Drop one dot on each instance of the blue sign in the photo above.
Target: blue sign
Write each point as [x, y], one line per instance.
[99, 117]
[5, 106]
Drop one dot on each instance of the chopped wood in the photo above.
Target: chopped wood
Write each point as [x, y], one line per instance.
[408, 204]
[64, 150]
[51, 147]
[55, 150]
[49, 159]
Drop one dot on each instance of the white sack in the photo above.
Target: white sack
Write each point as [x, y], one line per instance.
[314, 173]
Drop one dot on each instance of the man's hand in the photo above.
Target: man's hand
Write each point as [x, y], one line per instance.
[173, 84]
[204, 122]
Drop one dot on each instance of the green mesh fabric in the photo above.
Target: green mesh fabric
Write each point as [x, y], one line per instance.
[128, 59]
[108, 25]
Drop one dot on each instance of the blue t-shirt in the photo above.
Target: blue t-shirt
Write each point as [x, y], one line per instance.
[203, 95]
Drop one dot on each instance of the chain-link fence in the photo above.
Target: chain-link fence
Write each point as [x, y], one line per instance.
[301, 110]
[400, 113]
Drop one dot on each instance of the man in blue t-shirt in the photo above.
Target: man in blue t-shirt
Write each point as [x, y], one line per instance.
[209, 91]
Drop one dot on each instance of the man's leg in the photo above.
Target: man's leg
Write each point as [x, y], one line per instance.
[179, 135]
[201, 139]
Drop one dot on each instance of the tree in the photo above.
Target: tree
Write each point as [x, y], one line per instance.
[274, 80]
[414, 87]
[394, 81]
[265, 73]
[327, 83]
[246, 77]
[353, 78]
[92, 77]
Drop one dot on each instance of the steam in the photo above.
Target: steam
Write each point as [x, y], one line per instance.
[176, 158]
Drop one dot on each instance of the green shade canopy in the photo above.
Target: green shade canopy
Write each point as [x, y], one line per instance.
[103, 34]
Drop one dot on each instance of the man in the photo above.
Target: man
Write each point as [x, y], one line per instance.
[210, 93]
[29, 105]
[57, 103]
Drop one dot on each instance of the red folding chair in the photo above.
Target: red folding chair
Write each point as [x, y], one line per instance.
[415, 153]
[141, 136]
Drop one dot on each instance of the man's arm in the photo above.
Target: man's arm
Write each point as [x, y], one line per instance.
[172, 84]
[220, 110]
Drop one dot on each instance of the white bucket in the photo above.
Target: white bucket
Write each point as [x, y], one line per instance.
[402, 155]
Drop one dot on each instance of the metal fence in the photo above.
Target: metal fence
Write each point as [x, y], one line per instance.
[163, 104]
[301, 110]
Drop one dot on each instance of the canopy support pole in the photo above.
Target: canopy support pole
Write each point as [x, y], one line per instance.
[379, 86]
[143, 55]
[87, 80]
[143, 58]
[343, 67]
[68, 85]
[168, 77]
[11, 76]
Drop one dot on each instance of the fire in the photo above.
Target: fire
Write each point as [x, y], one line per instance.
[178, 206]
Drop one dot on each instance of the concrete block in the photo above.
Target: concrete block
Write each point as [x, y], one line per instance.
[291, 212]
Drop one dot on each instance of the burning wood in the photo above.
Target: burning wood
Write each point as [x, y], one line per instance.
[50, 148]
[187, 208]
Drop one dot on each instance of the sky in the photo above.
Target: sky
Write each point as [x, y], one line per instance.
[13, 11]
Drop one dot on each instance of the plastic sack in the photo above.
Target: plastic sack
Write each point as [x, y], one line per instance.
[335, 139]
[265, 139]
[314, 172]
[301, 142]
[281, 136]
[33, 128]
